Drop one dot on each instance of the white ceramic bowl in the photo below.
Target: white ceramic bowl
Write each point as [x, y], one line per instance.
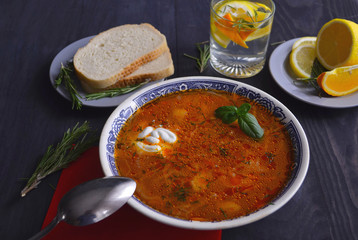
[137, 100]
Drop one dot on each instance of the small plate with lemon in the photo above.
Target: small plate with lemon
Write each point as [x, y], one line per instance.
[294, 63]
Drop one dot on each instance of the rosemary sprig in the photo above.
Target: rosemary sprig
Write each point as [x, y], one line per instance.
[243, 24]
[255, 15]
[114, 92]
[311, 82]
[204, 57]
[64, 77]
[317, 69]
[72, 145]
[278, 43]
[232, 8]
[225, 8]
[249, 14]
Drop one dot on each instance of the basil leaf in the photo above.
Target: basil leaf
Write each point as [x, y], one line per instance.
[243, 109]
[247, 122]
[227, 114]
[249, 125]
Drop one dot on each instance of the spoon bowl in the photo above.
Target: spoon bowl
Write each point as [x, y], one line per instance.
[92, 201]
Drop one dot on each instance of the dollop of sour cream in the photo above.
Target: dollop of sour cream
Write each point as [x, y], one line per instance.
[155, 136]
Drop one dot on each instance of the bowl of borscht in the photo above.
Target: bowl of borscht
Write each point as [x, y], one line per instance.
[206, 153]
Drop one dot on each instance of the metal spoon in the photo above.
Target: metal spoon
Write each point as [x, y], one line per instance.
[91, 202]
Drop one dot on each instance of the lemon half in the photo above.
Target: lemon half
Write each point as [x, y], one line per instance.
[337, 44]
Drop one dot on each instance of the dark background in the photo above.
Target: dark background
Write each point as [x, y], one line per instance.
[34, 115]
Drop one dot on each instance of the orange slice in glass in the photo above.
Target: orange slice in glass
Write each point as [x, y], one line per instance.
[226, 27]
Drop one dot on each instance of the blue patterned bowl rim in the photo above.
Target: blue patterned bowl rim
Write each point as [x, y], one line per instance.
[137, 100]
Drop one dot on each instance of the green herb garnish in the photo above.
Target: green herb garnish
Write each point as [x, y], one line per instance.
[277, 43]
[249, 14]
[223, 151]
[247, 122]
[232, 8]
[223, 212]
[270, 156]
[243, 24]
[114, 92]
[255, 15]
[181, 193]
[317, 69]
[72, 145]
[64, 77]
[204, 57]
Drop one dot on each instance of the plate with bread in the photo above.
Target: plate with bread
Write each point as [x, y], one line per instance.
[120, 57]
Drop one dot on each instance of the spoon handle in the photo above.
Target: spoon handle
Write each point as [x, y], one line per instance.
[46, 230]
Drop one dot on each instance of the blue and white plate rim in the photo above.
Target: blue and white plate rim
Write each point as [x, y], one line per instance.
[130, 105]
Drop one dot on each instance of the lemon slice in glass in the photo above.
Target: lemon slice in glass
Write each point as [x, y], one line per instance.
[259, 33]
[219, 37]
[237, 9]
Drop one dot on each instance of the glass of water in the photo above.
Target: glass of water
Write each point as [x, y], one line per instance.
[239, 36]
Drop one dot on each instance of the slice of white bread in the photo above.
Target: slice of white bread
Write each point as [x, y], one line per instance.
[157, 69]
[116, 53]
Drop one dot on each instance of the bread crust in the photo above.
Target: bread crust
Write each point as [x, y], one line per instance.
[91, 85]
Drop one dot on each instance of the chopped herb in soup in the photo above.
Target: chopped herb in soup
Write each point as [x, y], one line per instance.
[189, 164]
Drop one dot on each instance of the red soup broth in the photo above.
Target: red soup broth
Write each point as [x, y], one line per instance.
[213, 171]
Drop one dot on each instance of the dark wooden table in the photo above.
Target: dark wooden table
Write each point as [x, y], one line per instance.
[34, 116]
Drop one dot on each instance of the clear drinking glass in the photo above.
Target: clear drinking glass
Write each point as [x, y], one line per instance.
[239, 36]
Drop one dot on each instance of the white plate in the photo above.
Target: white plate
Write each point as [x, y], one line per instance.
[66, 55]
[284, 77]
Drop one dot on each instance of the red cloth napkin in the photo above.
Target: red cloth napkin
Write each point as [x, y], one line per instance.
[124, 224]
